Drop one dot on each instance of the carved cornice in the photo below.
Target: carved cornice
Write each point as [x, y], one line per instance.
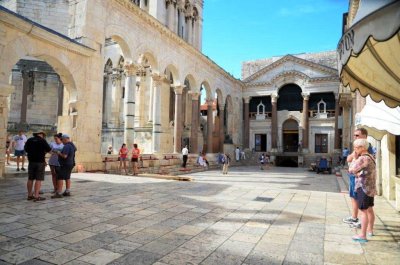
[293, 74]
[291, 58]
[150, 20]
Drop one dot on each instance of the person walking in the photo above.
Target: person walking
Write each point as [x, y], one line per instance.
[56, 146]
[18, 144]
[36, 147]
[66, 158]
[135, 159]
[262, 161]
[185, 153]
[364, 169]
[225, 163]
[123, 157]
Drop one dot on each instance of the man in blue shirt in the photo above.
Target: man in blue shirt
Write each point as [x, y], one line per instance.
[66, 158]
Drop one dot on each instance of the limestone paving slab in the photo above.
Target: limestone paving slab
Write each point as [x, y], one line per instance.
[100, 257]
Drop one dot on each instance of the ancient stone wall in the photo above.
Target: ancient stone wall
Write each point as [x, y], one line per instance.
[49, 13]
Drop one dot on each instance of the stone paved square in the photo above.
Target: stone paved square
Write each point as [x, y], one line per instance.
[215, 219]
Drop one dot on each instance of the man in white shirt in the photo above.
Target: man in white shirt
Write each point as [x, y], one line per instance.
[237, 154]
[19, 144]
[185, 153]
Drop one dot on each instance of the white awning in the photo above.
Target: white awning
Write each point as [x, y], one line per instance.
[369, 51]
[379, 119]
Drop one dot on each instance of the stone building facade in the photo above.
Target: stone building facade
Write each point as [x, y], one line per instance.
[291, 107]
[124, 75]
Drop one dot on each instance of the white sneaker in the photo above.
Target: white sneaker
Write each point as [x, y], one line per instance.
[356, 225]
[350, 220]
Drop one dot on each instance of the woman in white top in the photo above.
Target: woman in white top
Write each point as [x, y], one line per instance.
[56, 146]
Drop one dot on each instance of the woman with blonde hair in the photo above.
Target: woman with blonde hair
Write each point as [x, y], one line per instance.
[363, 167]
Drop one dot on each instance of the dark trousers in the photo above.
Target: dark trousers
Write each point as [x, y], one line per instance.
[185, 158]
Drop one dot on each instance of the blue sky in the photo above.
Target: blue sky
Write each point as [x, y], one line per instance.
[241, 30]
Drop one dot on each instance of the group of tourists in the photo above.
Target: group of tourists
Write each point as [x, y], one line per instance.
[362, 186]
[61, 162]
[123, 158]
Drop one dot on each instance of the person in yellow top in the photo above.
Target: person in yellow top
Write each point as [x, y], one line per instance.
[135, 159]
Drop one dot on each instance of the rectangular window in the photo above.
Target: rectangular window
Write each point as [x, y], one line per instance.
[260, 144]
[321, 143]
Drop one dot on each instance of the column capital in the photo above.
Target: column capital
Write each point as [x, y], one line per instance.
[131, 69]
[306, 95]
[158, 79]
[210, 101]
[195, 95]
[178, 89]
[247, 100]
[274, 97]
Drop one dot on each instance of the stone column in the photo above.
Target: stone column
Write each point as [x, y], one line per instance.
[157, 83]
[305, 118]
[189, 30]
[246, 132]
[274, 122]
[195, 123]
[346, 131]
[112, 104]
[210, 125]
[108, 100]
[27, 81]
[221, 129]
[129, 110]
[337, 136]
[5, 91]
[149, 86]
[178, 128]
[171, 14]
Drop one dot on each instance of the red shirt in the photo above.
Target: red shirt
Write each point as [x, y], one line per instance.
[135, 153]
[123, 152]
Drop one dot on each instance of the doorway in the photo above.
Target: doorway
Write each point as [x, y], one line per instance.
[290, 135]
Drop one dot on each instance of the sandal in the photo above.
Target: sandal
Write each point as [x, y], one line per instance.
[30, 197]
[39, 199]
[359, 239]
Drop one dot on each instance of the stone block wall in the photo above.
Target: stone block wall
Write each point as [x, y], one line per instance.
[42, 103]
[49, 13]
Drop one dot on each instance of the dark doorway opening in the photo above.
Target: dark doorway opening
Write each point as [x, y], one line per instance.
[286, 161]
[260, 143]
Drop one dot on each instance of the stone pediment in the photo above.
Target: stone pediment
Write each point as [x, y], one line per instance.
[291, 64]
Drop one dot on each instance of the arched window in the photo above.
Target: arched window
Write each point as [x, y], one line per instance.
[290, 98]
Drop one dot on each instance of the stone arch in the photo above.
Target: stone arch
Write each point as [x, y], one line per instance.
[115, 32]
[26, 47]
[148, 59]
[287, 77]
[170, 68]
[207, 88]
[290, 97]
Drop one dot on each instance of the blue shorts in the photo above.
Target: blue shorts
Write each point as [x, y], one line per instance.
[19, 153]
[352, 185]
